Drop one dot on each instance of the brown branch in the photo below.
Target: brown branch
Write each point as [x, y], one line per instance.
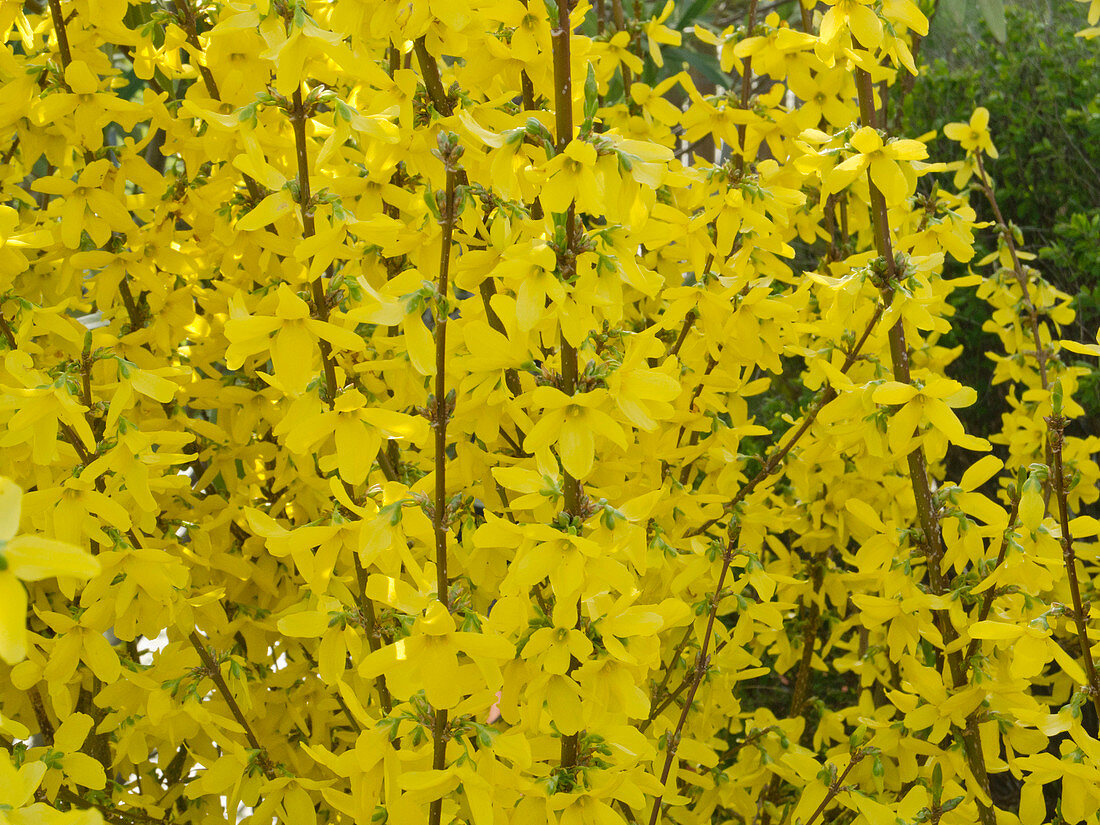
[802, 680]
[835, 787]
[1018, 271]
[186, 15]
[660, 689]
[211, 669]
[807, 17]
[442, 412]
[931, 540]
[298, 117]
[9, 335]
[1057, 424]
[746, 89]
[566, 267]
[689, 322]
[109, 812]
[620, 25]
[62, 34]
[702, 662]
[366, 608]
[987, 600]
[432, 81]
[801, 690]
[449, 152]
[8, 155]
[45, 726]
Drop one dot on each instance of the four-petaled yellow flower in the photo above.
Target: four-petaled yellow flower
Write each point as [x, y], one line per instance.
[571, 422]
[551, 647]
[29, 558]
[618, 47]
[882, 159]
[656, 34]
[428, 658]
[357, 428]
[973, 136]
[93, 203]
[295, 342]
[934, 402]
[89, 108]
[571, 176]
[855, 16]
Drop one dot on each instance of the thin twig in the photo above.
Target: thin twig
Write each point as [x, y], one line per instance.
[211, 669]
[702, 662]
[835, 787]
[1057, 425]
[746, 90]
[987, 599]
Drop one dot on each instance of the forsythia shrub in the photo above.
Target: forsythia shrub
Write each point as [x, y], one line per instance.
[402, 424]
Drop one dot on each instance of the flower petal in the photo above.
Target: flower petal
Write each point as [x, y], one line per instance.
[32, 558]
[11, 497]
[13, 619]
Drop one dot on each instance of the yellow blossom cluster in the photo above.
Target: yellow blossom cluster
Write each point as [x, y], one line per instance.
[429, 412]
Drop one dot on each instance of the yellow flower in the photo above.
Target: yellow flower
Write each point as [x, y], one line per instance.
[92, 204]
[571, 176]
[75, 766]
[18, 787]
[29, 558]
[571, 422]
[551, 648]
[1083, 349]
[823, 93]
[723, 43]
[294, 343]
[148, 56]
[934, 402]
[906, 12]
[618, 49]
[643, 394]
[855, 16]
[658, 34]
[529, 269]
[652, 100]
[882, 159]
[81, 641]
[428, 658]
[964, 170]
[973, 136]
[780, 48]
[89, 108]
[530, 39]
[357, 430]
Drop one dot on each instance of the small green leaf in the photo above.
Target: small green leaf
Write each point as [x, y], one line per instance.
[951, 804]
